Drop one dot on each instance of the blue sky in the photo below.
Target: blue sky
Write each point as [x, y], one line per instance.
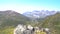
[29, 5]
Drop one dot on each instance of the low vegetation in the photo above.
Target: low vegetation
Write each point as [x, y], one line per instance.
[8, 21]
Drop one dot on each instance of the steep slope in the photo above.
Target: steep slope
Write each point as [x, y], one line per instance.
[12, 18]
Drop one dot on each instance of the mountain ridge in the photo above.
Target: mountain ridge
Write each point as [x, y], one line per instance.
[10, 18]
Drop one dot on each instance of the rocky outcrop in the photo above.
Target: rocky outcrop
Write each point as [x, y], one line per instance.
[23, 29]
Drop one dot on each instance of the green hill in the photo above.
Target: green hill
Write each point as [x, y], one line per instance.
[11, 18]
[52, 22]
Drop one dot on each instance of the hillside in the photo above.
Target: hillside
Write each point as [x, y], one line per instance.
[52, 22]
[11, 18]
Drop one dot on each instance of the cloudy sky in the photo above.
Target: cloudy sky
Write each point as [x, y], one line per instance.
[22, 6]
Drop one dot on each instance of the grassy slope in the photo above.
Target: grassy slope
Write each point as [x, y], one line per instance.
[53, 22]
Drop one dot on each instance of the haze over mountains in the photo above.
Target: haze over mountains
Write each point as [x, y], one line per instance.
[39, 14]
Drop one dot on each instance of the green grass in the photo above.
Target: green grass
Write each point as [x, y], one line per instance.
[8, 30]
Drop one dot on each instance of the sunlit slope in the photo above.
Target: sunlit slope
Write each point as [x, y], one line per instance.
[52, 22]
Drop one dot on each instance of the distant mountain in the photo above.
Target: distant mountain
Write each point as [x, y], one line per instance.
[39, 14]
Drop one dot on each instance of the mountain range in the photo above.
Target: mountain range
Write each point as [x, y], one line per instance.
[39, 14]
[10, 19]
